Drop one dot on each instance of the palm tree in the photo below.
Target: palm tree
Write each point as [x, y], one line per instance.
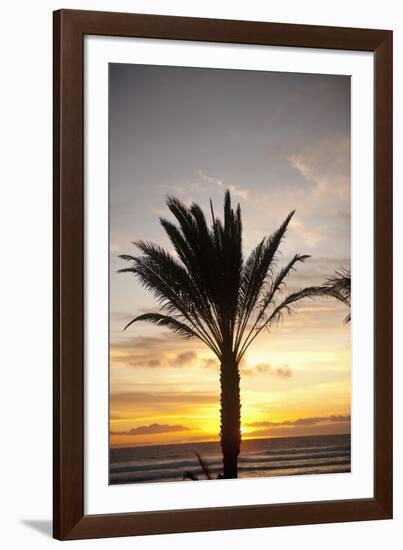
[339, 286]
[210, 292]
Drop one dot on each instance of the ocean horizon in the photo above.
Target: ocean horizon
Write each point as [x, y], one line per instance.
[297, 455]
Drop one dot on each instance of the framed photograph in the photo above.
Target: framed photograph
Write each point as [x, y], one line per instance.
[222, 274]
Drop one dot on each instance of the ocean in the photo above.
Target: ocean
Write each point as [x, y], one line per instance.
[258, 458]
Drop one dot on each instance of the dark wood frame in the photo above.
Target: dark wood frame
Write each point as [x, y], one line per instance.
[70, 27]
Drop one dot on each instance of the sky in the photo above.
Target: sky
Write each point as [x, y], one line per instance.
[278, 142]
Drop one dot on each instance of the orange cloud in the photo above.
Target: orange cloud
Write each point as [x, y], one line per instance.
[141, 398]
[265, 368]
[310, 421]
[152, 429]
[153, 352]
[314, 425]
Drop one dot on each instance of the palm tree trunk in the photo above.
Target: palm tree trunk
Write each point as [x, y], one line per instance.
[230, 416]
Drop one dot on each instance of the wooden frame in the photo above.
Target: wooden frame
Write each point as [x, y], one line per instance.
[70, 26]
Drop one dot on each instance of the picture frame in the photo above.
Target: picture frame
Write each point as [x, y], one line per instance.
[70, 28]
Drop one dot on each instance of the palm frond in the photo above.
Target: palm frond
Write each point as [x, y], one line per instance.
[170, 283]
[256, 273]
[177, 327]
[277, 313]
[204, 466]
[208, 290]
[340, 284]
[205, 469]
[268, 298]
[311, 292]
[339, 287]
[213, 258]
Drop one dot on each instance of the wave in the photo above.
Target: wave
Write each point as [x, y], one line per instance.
[267, 457]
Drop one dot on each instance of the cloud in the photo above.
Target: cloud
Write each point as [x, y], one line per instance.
[130, 398]
[315, 425]
[118, 417]
[210, 363]
[153, 429]
[154, 363]
[121, 317]
[217, 182]
[213, 181]
[326, 165]
[310, 421]
[184, 359]
[237, 192]
[154, 352]
[313, 234]
[283, 371]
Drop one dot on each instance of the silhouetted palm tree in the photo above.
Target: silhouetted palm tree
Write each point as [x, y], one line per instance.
[210, 292]
[339, 286]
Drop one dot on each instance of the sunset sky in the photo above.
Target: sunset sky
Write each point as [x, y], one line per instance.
[279, 142]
